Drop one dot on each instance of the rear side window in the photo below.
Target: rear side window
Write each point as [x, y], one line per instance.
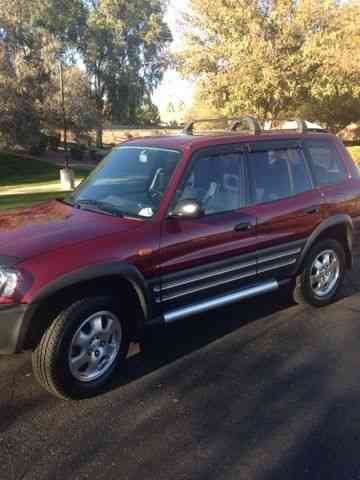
[278, 174]
[325, 161]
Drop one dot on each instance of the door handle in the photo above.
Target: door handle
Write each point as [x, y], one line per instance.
[312, 210]
[243, 227]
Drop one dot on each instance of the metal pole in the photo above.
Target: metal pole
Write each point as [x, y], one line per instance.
[64, 114]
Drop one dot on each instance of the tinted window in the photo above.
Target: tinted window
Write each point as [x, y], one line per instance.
[278, 174]
[300, 174]
[270, 175]
[326, 163]
[216, 182]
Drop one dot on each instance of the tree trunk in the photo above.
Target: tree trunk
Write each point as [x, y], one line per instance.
[99, 137]
[100, 128]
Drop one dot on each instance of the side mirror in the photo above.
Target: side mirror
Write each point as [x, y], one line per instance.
[187, 209]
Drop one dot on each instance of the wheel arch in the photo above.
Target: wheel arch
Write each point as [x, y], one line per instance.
[339, 227]
[111, 279]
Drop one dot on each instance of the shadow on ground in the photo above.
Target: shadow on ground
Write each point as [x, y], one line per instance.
[262, 390]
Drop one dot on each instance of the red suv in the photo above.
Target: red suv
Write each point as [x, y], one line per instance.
[165, 228]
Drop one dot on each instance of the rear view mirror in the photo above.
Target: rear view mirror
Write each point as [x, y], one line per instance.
[187, 209]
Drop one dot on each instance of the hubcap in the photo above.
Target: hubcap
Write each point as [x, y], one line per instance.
[95, 346]
[324, 273]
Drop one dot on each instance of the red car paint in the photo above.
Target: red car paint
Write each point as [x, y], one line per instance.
[55, 239]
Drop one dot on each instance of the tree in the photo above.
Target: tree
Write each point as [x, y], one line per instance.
[35, 37]
[19, 111]
[277, 57]
[148, 113]
[22, 76]
[121, 46]
[125, 55]
[201, 106]
[332, 94]
[79, 103]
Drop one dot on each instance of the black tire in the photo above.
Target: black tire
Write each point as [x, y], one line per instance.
[303, 292]
[51, 358]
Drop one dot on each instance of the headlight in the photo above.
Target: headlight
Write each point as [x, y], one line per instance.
[9, 280]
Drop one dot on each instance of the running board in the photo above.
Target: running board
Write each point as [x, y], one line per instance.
[221, 301]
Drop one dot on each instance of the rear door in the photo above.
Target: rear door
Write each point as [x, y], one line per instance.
[337, 185]
[339, 188]
[286, 203]
[216, 253]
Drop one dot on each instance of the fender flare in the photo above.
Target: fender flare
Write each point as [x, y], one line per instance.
[121, 269]
[339, 219]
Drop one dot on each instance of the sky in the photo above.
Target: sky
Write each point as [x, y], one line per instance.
[173, 88]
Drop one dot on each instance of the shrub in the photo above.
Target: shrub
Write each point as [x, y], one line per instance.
[77, 151]
[54, 142]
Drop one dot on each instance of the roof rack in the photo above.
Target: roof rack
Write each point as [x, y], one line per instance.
[252, 124]
[301, 127]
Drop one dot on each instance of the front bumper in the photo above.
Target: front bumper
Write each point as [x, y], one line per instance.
[12, 321]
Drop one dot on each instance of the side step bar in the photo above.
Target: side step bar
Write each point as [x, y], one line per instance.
[221, 301]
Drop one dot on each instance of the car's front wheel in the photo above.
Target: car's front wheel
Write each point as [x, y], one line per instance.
[323, 274]
[81, 350]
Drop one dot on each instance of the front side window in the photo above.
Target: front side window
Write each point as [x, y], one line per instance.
[278, 174]
[216, 182]
[130, 181]
[325, 161]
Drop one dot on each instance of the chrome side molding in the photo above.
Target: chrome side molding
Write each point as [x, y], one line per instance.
[220, 301]
[181, 293]
[276, 256]
[208, 275]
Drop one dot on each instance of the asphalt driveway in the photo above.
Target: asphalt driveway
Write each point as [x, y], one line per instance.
[261, 390]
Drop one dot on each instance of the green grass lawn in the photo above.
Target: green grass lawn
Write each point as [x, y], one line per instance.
[355, 153]
[17, 171]
[24, 181]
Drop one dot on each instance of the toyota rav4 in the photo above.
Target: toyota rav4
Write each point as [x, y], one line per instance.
[166, 228]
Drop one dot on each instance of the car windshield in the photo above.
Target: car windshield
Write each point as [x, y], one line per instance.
[130, 181]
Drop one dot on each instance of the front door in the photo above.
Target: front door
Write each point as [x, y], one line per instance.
[216, 253]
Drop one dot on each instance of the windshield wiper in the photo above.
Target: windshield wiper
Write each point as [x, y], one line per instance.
[98, 206]
[67, 201]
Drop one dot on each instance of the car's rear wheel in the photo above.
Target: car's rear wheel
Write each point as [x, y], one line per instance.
[323, 274]
[82, 349]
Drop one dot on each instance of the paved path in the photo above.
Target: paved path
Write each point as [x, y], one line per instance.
[35, 188]
[263, 390]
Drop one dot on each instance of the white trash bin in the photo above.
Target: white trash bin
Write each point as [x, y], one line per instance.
[67, 179]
